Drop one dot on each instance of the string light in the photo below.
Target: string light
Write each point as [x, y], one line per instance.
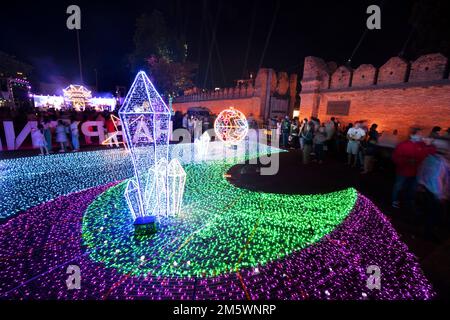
[58, 102]
[216, 221]
[145, 118]
[363, 238]
[227, 243]
[231, 126]
[176, 179]
[115, 120]
[201, 146]
[29, 181]
[77, 95]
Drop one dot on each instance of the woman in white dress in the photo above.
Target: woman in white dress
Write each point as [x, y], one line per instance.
[38, 138]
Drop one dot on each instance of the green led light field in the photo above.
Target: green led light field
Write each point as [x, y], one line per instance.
[221, 229]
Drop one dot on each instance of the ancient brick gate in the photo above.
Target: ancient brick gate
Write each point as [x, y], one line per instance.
[271, 94]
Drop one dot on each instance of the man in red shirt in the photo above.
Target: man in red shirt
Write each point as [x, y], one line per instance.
[407, 156]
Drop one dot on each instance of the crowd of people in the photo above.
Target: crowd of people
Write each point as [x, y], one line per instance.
[315, 138]
[361, 143]
[196, 124]
[422, 161]
[66, 136]
[423, 174]
[59, 131]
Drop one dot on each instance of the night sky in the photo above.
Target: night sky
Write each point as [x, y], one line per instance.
[36, 33]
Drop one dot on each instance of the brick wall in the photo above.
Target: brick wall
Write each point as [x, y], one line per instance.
[428, 67]
[251, 101]
[364, 75]
[393, 71]
[396, 96]
[341, 78]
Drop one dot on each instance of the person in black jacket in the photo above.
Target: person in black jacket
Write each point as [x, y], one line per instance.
[308, 137]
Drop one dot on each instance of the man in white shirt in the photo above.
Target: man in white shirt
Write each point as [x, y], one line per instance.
[354, 135]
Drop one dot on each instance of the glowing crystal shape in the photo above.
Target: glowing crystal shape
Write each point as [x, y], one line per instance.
[145, 119]
[165, 190]
[201, 146]
[176, 179]
[160, 196]
[132, 197]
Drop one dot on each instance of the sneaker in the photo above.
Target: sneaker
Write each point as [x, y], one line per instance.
[396, 204]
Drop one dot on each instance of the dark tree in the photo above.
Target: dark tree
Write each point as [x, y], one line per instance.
[171, 77]
[163, 53]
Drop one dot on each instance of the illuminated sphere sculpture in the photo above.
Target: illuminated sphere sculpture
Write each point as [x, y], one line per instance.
[231, 126]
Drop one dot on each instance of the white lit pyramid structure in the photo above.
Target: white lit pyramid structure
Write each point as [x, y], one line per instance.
[145, 119]
[176, 179]
[201, 146]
